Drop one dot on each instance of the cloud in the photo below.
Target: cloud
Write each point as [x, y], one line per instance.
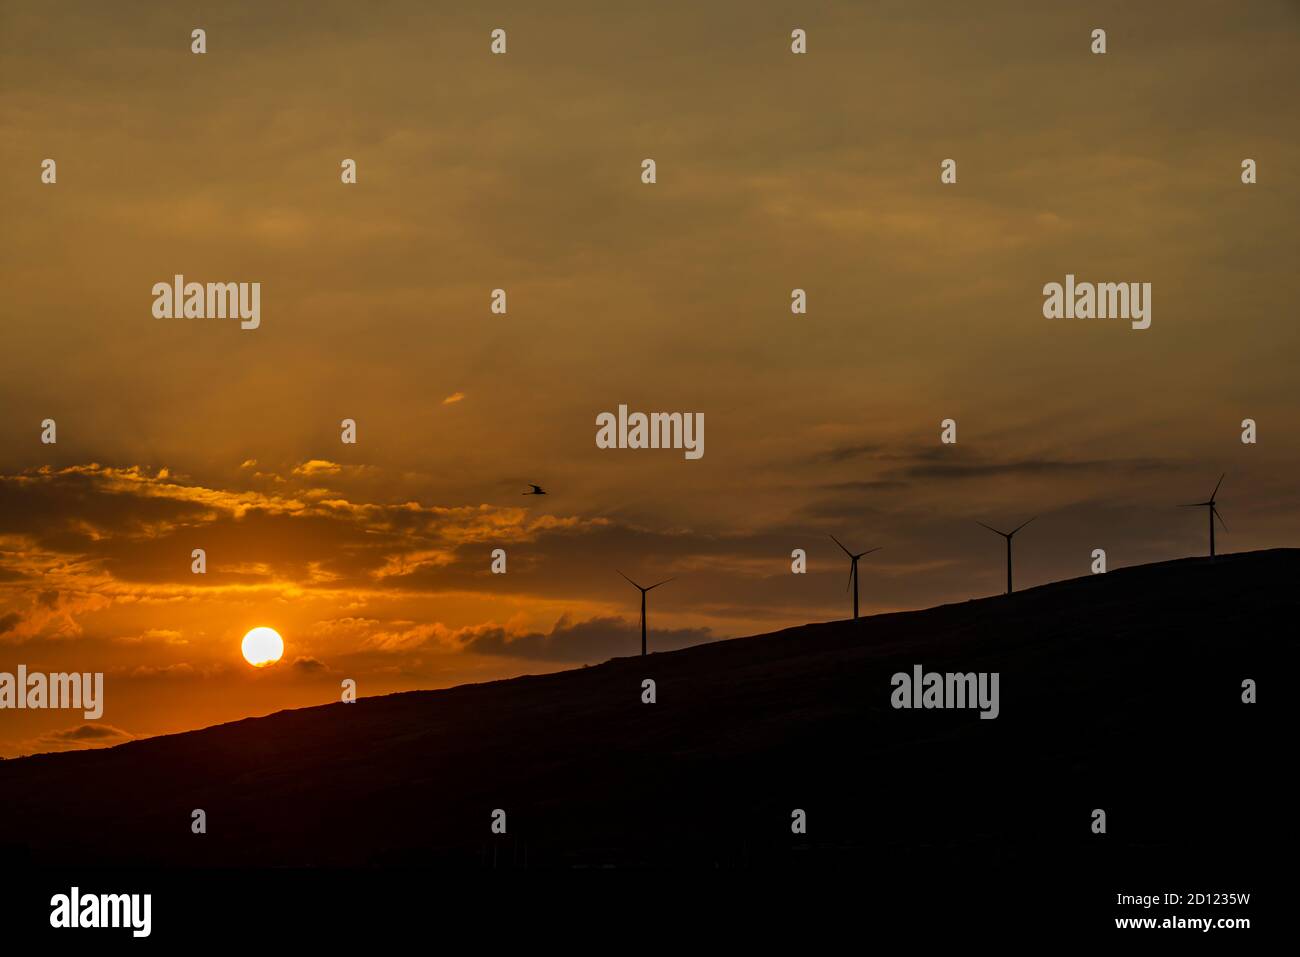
[313, 467]
[968, 466]
[182, 669]
[900, 466]
[846, 453]
[90, 537]
[308, 664]
[97, 735]
[53, 613]
[865, 485]
[167, 635]
[596, 639]
[454, 397]
[407, 636]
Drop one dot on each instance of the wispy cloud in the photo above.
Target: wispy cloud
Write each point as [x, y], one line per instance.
[595, 639]
[98, 735]
[314, 467]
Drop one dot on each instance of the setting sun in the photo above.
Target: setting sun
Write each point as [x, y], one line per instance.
[262, 647]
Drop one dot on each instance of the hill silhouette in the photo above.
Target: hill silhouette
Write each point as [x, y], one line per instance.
[1119, 691]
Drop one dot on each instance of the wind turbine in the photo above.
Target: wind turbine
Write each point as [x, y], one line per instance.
[853, 570]
[1008, 536]
[643, 591]
[1214, 512]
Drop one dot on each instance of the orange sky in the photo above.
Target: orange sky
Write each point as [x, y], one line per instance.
[522, 171]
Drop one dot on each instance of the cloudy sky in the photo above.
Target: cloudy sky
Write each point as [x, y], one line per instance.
[522, 172]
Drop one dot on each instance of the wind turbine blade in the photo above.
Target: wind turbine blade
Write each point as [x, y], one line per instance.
[991, 528]
[630, 582]
[841, 545]
[1021, 525]
[1194, 505]
[870, 550]
[852, 568]
[1216, 487]
[1220, 518]
[664, 582]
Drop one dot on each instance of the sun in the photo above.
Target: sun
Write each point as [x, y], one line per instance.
[262, 647]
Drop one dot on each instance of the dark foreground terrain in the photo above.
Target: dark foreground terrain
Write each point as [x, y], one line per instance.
[1120, 691]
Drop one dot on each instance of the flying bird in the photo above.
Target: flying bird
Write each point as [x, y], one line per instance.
[536, 490]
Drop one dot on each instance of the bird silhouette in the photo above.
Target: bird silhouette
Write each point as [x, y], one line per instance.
[536, 490]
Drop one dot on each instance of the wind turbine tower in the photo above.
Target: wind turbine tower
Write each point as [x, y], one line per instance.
[1213, 513]
[853, 571]
[1008, 536]
[643, 594]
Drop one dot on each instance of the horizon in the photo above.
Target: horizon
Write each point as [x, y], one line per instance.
[1219, 559]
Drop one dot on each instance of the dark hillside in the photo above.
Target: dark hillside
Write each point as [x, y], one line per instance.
[1120, 691]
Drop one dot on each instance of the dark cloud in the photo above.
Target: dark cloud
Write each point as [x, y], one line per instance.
[308, 664]
[9, 622]
[140, 527]
[71, 508]
[82, 736]
[593, 640]
[847, 453]
[865, 485]
[965, 466]
[899, 467]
